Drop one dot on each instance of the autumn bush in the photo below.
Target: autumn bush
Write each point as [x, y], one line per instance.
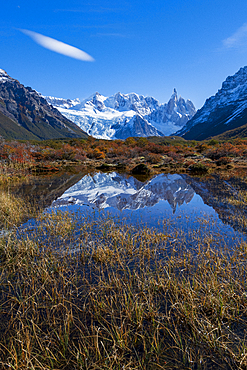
[98, 154]
[154, 158]
[224, 150]
[223, 161]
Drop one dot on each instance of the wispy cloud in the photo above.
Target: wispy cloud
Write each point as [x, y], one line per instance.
[238, 40]
[58, 46]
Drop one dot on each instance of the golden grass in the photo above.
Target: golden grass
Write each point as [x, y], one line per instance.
[12, 209]
[96, 294]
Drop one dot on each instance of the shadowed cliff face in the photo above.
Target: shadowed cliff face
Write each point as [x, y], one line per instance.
[223, 112]
[25, 114]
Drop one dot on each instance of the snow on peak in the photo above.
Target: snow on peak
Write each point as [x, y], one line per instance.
[3, 73]
[4, 76]
[123, 115]
[62, 103]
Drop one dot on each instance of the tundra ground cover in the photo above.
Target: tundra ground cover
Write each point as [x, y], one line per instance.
[112, 296]
[108, 295]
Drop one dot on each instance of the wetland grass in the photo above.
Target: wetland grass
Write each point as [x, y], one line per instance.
[98, 294]
[13, 210]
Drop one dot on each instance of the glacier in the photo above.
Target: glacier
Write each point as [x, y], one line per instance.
[124, 115]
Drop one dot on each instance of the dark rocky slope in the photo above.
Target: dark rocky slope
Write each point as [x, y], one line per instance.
[24, 114]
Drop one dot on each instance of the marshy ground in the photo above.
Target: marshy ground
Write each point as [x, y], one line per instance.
[100, 294]
[84, 293]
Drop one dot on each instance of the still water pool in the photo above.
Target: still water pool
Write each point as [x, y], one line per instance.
[166, 202]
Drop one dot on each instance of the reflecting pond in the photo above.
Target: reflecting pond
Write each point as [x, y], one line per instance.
[166, 202]
[186, 202]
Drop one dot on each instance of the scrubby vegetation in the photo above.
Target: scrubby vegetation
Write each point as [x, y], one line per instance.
[105, 295]
[13, 210]
[162, 154]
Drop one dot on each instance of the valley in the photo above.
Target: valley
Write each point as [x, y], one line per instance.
[120, 246]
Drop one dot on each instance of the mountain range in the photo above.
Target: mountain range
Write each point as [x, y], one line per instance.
[25, 114]
[224, 114]
[123, 115]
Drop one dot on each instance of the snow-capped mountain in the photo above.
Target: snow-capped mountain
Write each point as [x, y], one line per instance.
[116, 190]
[224, 111]
[124, 115]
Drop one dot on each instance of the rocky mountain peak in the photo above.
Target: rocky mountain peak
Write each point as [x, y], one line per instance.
[98, 101]
[25, 114]
[226, 110]
[121, 100]
[175, 93]
[124, 115]
[4, 76]
[238, 79]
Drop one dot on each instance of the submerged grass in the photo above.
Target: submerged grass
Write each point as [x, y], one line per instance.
[97, 294]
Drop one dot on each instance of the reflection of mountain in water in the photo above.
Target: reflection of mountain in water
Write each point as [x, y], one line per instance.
[224, 196]
[101, 190]
[44, 189]
[121, 192]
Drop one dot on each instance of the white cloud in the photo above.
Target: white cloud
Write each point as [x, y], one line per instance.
[238, 39]
[58, 46]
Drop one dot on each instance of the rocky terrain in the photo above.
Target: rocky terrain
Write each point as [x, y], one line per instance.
[25, 114]
[224, 112]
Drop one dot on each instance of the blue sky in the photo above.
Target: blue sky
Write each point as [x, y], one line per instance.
[147, 47]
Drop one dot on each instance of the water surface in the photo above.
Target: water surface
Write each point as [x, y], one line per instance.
[187, 203]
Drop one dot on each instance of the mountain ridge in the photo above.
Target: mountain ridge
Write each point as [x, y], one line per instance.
[25, 114]
[225, 111]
